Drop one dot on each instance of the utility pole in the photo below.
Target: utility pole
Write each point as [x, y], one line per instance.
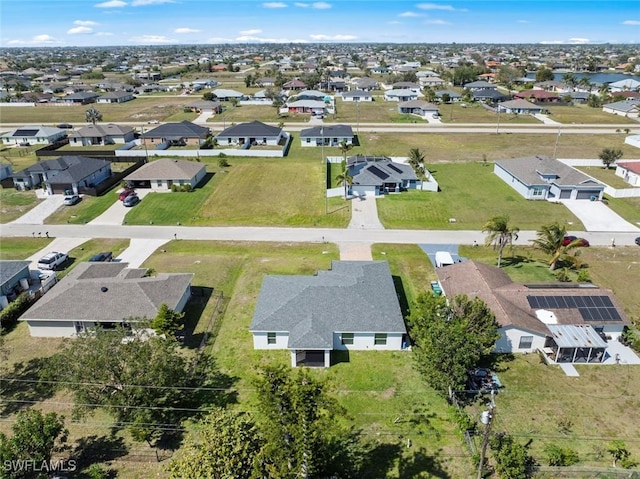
[326, 173]
[498, 125]
[555, 148]
[486, 418]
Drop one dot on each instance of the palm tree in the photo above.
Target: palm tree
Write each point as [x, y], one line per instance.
[551, 241]
[92, 115]
[500, 234]
[416, 158]
[569, 79]
[585, 83]
[344, 149]
[345, 179]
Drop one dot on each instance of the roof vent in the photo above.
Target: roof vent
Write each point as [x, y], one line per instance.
[104, 289]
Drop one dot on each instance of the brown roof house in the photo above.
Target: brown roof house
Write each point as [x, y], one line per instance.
[109, 134]
[567, 321]
[162, 174]
[103, 295]
[179, 134]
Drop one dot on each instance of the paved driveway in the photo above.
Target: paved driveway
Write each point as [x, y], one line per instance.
[139, 250]
[37, 215]
[115, 214]
[596, 216]
[63, 245]
[364, 213]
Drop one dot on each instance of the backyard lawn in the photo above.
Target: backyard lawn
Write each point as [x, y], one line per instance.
[605, 175]
[14, 203]
[584, 114]
[471, 194]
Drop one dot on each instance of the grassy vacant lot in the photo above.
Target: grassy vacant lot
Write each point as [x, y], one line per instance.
[284, 192]
[83, 212]
[265, 113]
[14, 204]
[21, 248]
[475, 113]
[583, 114]
[471, 194]
[606, 175]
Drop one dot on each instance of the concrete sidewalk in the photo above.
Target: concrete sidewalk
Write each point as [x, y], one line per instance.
[37, 215]
[139, 250]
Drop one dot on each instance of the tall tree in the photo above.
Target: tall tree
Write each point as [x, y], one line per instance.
[609, 156]
[500, 234]
[168, 321]
[416, 158]
[223, 445]
[36, 436]
[302, 428]
[344, 149]
[544, 74]
[551, 241]
[449, 338]
[345, 179]
[93, 115]
[512, 458]
[135, 378]
[569, 79]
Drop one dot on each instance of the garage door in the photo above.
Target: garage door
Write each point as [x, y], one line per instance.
[565, 194]
[586, 195]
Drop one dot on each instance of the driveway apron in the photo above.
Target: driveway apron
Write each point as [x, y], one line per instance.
[596, 216]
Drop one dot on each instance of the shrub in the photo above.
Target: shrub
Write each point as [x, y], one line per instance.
[174, 188]
[222, 162]
[9, 315]
[559, 456]
[563, 275]
[583, 276]
[186, 188]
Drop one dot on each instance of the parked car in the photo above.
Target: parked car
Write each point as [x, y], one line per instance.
[64, 126]
[71, 200]
[52, 260]
[153, 122]
[126, 192]
[131, 200]
[105, 256]
[570, 239]
[638, 240]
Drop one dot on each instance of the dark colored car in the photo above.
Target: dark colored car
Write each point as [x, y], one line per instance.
[104, 256]
[570, 239]
[64, 126]
[126, 192]
[638, 240]
[131, 200]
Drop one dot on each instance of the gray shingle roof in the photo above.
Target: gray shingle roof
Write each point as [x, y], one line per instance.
[391, 171]
[254, 129]
[184, 129]
[70, 169]
[8, 269]
[353, 296]
[101, 131]
[167, 169]
[528, 170]
[80, 296]
[624, 106]
[341, 131]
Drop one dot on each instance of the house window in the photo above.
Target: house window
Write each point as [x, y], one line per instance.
[380, 339]
[271, 338]
[525, 342]
[537, 191]
[347, 338]
[308, 140]
[158, 182]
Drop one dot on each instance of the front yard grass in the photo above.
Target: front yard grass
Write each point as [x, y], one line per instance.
[584, 114]
[89, 208]
[605, 175]
[475, 113]
[19, 248]
[471, 194]
[14, 203]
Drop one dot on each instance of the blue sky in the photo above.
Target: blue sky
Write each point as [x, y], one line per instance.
[165, 22]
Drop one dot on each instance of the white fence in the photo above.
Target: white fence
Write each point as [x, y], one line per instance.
[3, 104]
[613, 192]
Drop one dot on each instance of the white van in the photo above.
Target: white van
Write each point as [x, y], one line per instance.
[443, 258]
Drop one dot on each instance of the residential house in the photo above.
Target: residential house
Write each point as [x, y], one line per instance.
[312, 95]
[294, 85]
[379, 175]
[352, 306]
[566, 321]
[105, 295]
[201, 83]
[628, 84]
[162, 174]
[356, 95]
[489, 96]
[252, 133]
[224, 94]
[539, 96]
[33, 135]
[421, 108]
[305, 106]
[454, 96]
[14, 278]
[519, 106]
[266, 82]
[116, 97]
[6, 171]
[629, 171]
[400, 95]
[109, 134]
[366, 84]
[81, 98]
[183, 133]
[480, 85]
[205, 105]
[66, 173]
[544, 178]
[431, 81]
[406, 85]
[553, 86]
[628, 108]
[330, 135]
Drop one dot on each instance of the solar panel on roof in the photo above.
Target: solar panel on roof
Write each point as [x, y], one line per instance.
[595, 313]
[597, 300]
[378, 172]
[613, 314]
[589, 302]
[579, 300]
[571, 303]
[586, 314]
[562, 303]
[533, 302]
[394, 168]
[607, 301]
[25, 132]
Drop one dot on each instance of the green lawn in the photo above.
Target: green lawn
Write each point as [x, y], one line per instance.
[14, 203]
[476, 113]
[20, 248]
[583, 114]
[471, 194]
[89, 208]
[261, 192]
[628, 208]
[606, 175]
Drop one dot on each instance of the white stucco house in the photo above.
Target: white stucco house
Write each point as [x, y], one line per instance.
[402, 94]
[356, 96]
[329, 135]
[629, 171]
[33, 135]
[103, 295]
[162, 174]
[352, 306]
[544, 178]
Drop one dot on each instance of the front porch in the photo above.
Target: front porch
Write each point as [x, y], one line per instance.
[311, 358]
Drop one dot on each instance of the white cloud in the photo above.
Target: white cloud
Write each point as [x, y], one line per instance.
[253, 39]
[436, 6]
[578, 40]
[301, 5]
[142, 3]
[249, 33]
[151, 39]
[186, 30]
[570, 41]
[321, 5]
[111, 4]
[219, 40]
[437, 22]
[42, 39]
[631, 22]
[321, 37]
[85, 23]
[274, 5]
[79, 30]
[409, 14]
[551, 42]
